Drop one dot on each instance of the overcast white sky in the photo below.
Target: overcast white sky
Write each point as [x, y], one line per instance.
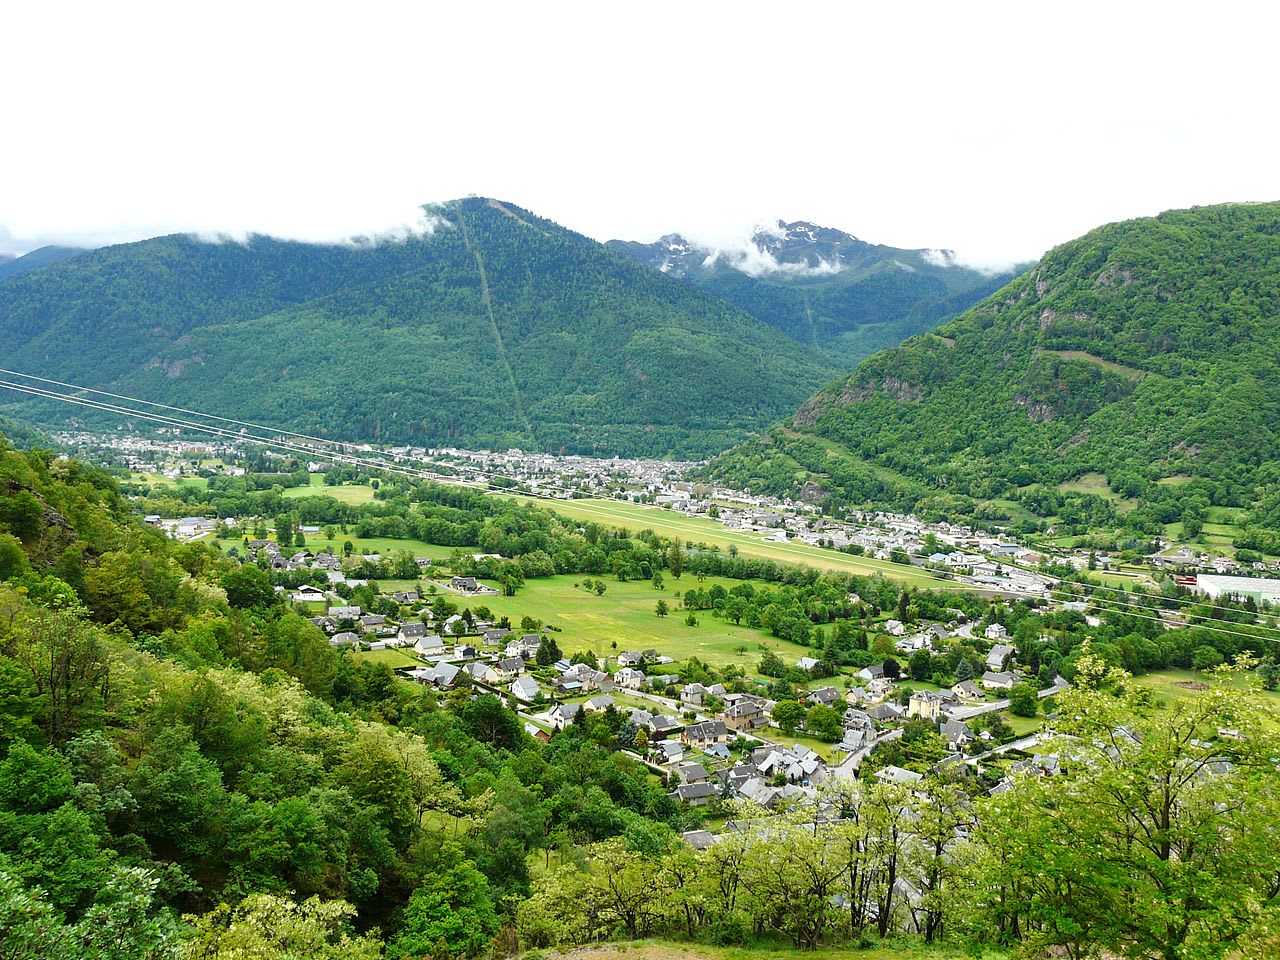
[995, 129]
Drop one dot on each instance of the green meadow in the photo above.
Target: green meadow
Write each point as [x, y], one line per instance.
[624, 619]
[669, 523]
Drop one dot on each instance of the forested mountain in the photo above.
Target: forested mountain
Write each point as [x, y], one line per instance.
[1147, 351]
[40, 257]
[824, 287]
[497, 328]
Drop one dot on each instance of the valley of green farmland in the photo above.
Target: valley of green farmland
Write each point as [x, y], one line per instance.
[625, 616]
[712, 533]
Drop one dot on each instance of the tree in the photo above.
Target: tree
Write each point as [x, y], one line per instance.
[125, 922]
[67, 663]
[264, 926]
[453, 906]
[1269, 673]
[660, 608]
[548, 652]
[284, 530]
[657, 580]
[486, 719]
[1023, 701]
[771, 665]
[675, 559]
[600, 588]
[1153, 847]
[248, 586]
[920, 666]
[13, 560]
[892, 669]
[691, 619]
[824, 723]
[788, 714]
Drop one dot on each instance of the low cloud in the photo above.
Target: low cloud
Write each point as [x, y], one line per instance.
[357, 228]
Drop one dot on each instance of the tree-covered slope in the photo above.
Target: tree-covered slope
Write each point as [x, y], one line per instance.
[826, 288]
[1145, 350]
[40, 257]
[497, 328]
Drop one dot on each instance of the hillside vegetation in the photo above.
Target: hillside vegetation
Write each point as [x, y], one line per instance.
[177, 742]
[1142, 351]
[826, 288]
[499, 328]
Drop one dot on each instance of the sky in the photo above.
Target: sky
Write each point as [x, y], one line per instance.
[995, 129]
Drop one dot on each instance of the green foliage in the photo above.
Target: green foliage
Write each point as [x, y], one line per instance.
[454, 907]
[1143, 350]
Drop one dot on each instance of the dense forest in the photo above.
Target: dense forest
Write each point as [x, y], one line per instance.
[1146, 351]
[498, 328]
[825, 288]
[189, 769]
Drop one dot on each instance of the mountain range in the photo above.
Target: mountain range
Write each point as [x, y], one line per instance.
[11, 266]
[1142, 360]
[496, 328]
[840, 295]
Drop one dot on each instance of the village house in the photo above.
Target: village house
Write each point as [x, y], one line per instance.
[629, 678]
[510, 667]
[743, 714]
[957, 733]
[443, 675]
[562, 714]
[525, 688]
[695, 694]
[481, 672]
[999, 681]
[661, 727]
[705, 734]
[996, 632]
[412, 630]
[692, 773]
[926, 704]
[998, 654]
[430, 645]
[898, 775]
[694, 794]
[968, 690]
[824, 696]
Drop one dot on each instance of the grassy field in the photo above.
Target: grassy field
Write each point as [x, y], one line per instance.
[160, 480]
[1171, 685]
[318, 543]
[625, 616]
[391, 657]
[898, 949]
[352, 493]
[636, 517]
[1130, 373]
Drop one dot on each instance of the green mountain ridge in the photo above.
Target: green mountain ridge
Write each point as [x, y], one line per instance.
[1145, 350]
[12, 266]
[498, 328]
[825, 288]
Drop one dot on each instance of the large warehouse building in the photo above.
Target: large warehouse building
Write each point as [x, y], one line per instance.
[1261, 590]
